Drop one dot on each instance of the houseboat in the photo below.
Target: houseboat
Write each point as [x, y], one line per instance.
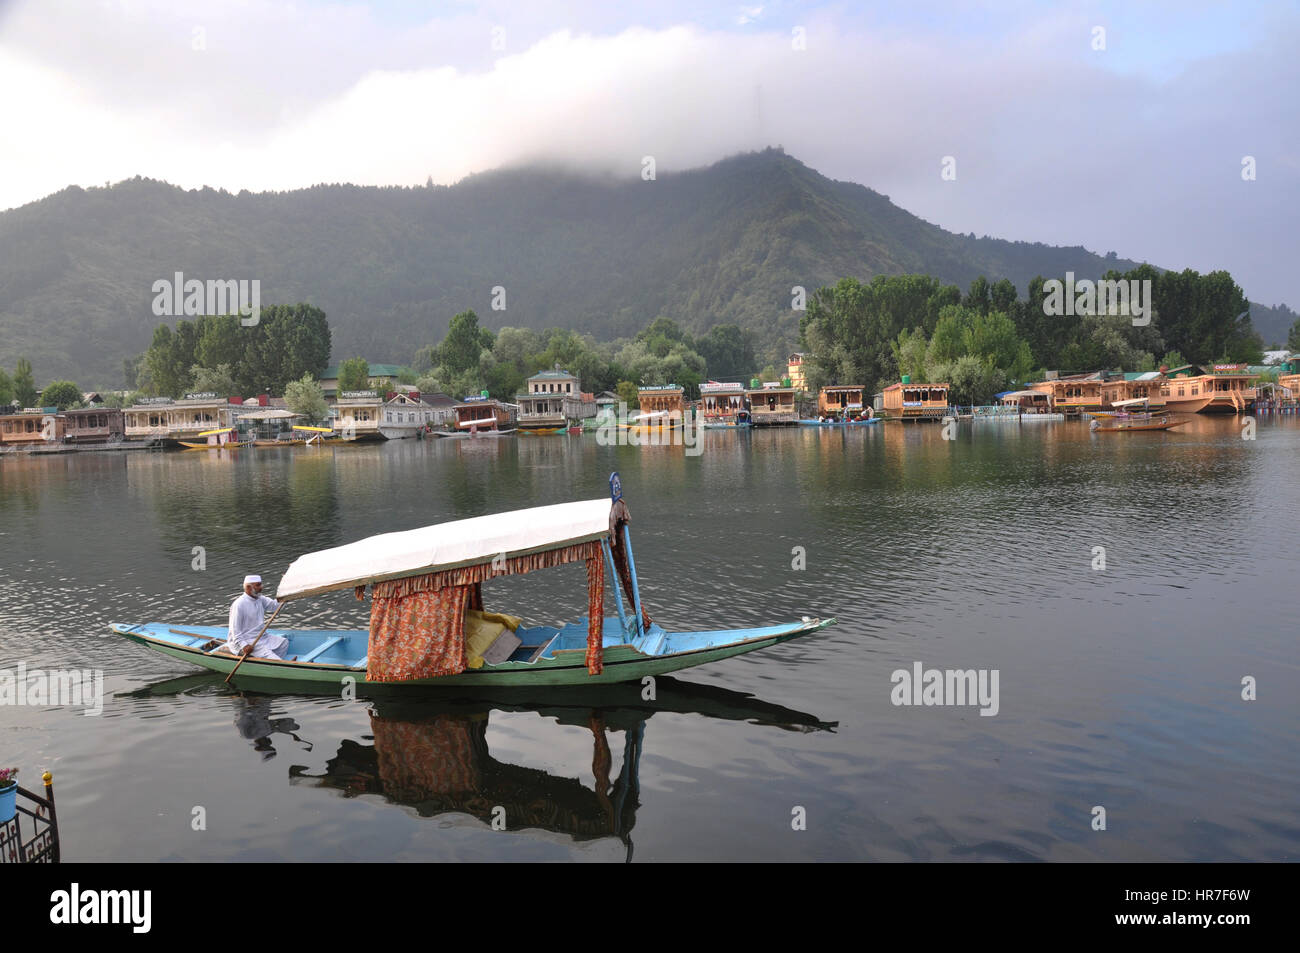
[771, 404]
[908, 401]
[165, 419]
[406, 415]
[1034, 404]
[1074, 394]
[94, 425]
[662, 408]
[1209, 389]
[840, 401]
[481, 414]
[723, 406]
[554, 401]
[32, 427]
[356, 414]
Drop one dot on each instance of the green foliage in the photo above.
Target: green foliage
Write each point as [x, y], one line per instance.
[728, 352]
[910, 354]
[24, 384]
[219, 380]
[1173, 359]
[1293, 337]
[354, 374]
[6, 389]
[627, 393]
[61, 394]
[304, 396]
[460, 350]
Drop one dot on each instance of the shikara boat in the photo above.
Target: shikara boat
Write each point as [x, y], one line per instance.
[543, 431]
[1125, 420]
[223, 438]
[654, 420]
[445, 564]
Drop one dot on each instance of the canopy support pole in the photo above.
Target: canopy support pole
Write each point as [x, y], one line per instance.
[636, 589]
[613, 574]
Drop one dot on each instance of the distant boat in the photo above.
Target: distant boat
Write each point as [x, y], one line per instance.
[223, 438]
[1124, 420]
[457, 556]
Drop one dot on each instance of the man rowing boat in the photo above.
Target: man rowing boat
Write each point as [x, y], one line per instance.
[247, 616]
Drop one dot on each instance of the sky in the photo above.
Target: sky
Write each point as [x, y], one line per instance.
[1164, 131]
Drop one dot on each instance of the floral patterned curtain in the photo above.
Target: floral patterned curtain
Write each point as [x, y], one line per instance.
[417, 624]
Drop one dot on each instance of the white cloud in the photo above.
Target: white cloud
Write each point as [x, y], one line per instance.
[1050, 144]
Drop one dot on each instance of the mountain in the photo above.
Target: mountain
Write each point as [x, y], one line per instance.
[390, 266]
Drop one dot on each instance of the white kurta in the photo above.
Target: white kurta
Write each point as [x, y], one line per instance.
[247, 616]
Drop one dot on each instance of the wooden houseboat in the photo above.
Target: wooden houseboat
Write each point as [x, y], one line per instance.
[356, 414]
[1027, 403]
[553, 401]
[32, 427]
[662, 407]
[481, 414]
[1075, 394]
[723, 406]
[1210, 389]
[94, 425]
[908, 401]
[1289, 377]
[772, 404]
[161, 418]
[406, 415]
[840, 401]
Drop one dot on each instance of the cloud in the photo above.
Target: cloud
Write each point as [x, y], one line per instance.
[1053, 141]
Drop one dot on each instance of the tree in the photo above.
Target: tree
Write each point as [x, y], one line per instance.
[465, 340]
[627, 393]
[1293, 337]
[354, 374]
[24, 384]
[168, 376]
[728, 352]
[6, 389]
[61, 394]
[304, 396]
[219, 380]
[1173, 360]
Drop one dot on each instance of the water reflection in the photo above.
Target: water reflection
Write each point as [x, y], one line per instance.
[432, 754]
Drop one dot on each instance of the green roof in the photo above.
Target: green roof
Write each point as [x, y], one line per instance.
[376, 370]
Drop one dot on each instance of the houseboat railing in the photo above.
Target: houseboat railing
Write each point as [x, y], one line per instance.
[43, 845]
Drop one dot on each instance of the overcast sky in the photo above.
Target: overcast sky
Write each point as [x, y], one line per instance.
[1070, 123]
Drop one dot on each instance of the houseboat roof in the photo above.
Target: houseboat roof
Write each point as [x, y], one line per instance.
[445, 546]
[718, 387]
[914, 385]
[1142, 376]
[268, 413]
[553, 375]
[666, 388]
[1019, 393]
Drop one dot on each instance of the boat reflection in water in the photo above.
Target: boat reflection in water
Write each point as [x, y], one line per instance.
[432, 755]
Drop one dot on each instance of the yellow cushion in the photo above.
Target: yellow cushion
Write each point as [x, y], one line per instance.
[482, 629]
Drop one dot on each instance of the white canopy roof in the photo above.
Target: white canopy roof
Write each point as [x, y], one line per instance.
[445, 546]
[1128, 403]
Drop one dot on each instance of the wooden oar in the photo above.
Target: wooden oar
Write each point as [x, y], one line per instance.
[255, 641]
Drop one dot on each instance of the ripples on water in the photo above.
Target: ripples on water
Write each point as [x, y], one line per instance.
[1118, 688]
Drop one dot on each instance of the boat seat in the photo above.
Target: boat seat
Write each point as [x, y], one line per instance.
[361, 662]
[321, 649]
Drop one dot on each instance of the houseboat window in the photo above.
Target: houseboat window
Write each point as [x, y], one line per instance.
[1195, 391]
[1180, 391]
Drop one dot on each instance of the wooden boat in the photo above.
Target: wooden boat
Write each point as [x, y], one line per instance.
[223, 438]
[807, 422]
[621, 648]
[654, 420]
[543, 431]
[1125, 420]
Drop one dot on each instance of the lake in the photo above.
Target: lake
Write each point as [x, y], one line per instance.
[1121, 587]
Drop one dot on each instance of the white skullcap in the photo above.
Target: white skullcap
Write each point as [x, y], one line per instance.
[248, 579]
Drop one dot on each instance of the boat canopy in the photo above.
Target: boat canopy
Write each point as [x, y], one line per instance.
[1017, 394]
[445, 546]
[1130, 402]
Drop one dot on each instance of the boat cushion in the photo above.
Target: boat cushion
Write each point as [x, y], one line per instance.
[483, 630]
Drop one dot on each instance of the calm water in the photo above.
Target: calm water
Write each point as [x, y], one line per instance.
[1119, 688]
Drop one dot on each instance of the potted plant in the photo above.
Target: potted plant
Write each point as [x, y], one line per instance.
[8, 794]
